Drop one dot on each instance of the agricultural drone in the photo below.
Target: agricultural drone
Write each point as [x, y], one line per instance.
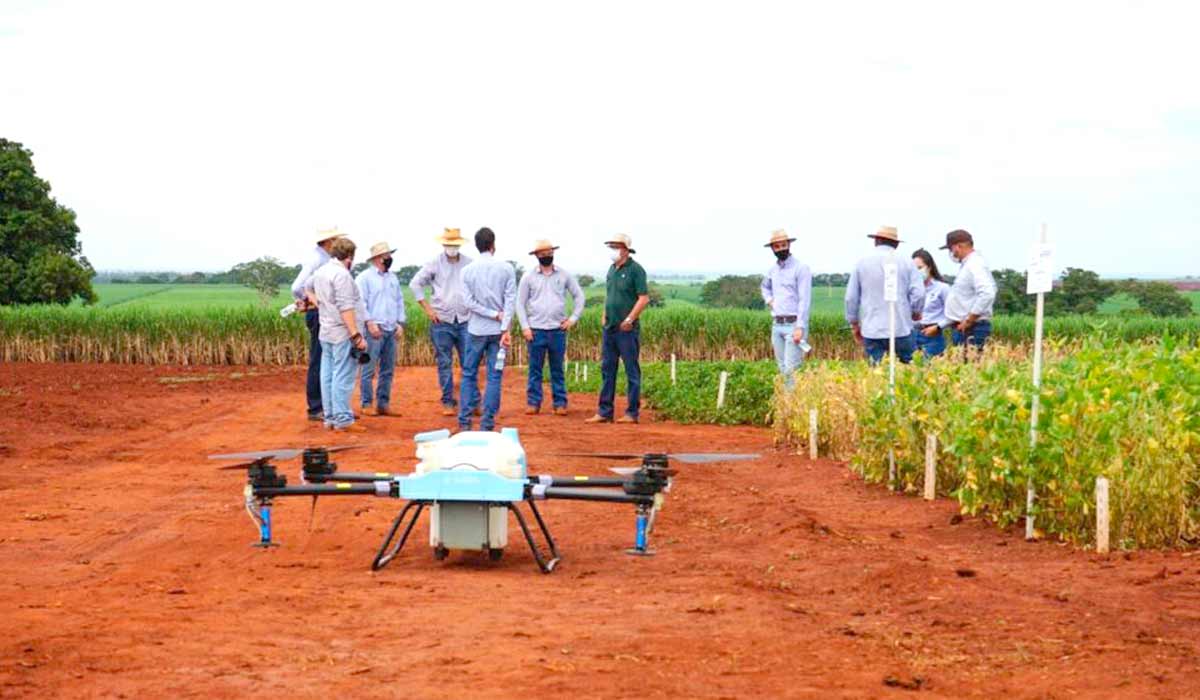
[470, 482]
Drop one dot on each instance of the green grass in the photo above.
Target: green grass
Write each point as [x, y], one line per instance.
[189, 296]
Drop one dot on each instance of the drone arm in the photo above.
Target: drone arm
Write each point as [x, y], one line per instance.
[582, 482]
[541, 492]
[385, 489]
[352, 477]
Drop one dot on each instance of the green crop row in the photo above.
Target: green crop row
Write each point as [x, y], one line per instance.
[134, 333]
[1126, 411]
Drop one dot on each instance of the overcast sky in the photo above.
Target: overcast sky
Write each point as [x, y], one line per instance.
[198, 135]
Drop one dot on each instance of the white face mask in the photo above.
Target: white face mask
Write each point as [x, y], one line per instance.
[614, 254]
[924, 272]
[451, 251]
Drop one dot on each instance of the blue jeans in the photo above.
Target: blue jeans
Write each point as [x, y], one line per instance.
[312, 319]
[448, 337]
[876, 348]
[554, 343]
[383, 357]
[337, 383]
[623, 346]
[787, 353]
[480, 348]
[978, 335]
[931, 347]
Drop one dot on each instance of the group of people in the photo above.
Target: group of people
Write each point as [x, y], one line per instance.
[889, 300]
[354, 324]
[471, 303]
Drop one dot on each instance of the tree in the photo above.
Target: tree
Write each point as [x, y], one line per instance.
[586, 281]
[656, 296]
[359, 267]
[517, 269]
[1159, 298]
[263, 275]
[1011, 298]
[407, 273]
[835, 279]
[40, 260]
[732, 291]
[1080, 292]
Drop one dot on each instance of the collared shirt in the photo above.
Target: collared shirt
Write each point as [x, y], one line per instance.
[623, 286]
[934, 312]
[316, 259]
[489, 287]
[542, 298]
[384, 298]
[787, 290]
[974, 290]
[336, 292]
[444, 275]
[864, 294]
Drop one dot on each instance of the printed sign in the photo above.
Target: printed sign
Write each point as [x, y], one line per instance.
[1040, 272]
[890, 284]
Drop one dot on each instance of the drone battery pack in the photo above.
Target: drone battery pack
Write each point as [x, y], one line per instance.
[468, 525]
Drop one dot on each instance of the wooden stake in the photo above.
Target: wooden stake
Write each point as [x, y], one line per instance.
[585, 373]
[812, 434]
[930, 467]
[672, 368]
[1102, 515]
[721, 390]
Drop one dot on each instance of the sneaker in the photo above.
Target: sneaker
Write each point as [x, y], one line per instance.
[352, 428]
[532, 410]
[560, 410]
[627, 419]
[449, 411]
[599, 419]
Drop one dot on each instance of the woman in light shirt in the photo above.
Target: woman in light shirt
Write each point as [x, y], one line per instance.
[929, 335]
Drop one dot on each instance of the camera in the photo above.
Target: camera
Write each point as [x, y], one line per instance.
[362, 356]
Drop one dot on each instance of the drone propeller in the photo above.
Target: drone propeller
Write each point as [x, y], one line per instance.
[685, 457]
[290, 452]
[630, 471]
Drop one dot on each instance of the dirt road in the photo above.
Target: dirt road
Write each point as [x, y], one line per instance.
[126, 570]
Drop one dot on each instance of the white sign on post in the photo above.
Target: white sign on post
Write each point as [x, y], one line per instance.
[1041, 269]
[891, 291]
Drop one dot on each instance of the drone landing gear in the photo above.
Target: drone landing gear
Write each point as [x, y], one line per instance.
[645, 522]
[544, 565]
[385, 555]
[262, 518]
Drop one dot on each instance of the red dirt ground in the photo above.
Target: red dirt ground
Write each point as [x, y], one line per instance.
[126, 570]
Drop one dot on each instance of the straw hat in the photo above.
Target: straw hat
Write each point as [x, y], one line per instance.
[328, 233]
[778, 237]
[622, 239]
[542, 244]
[380, 248]
[452, 236]
[887, 233]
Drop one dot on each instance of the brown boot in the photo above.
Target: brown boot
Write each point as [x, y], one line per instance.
[598, 419]
[371, 411]
[449, 411]
[560, 411]
[352, 428]
[385, 411]
[532, 410]
[627, 419]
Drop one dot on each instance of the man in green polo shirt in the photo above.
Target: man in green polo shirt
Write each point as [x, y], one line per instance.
[626, 297]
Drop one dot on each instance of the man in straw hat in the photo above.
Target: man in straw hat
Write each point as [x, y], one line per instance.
[542, 311]
[490, 293]
[787, 291]
[383, 298]
[447, 311]
[627, 295]
[973, 294]
[317, 257]
[339, 304]
[867, 309]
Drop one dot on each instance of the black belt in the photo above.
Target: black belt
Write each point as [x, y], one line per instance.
[785, 319]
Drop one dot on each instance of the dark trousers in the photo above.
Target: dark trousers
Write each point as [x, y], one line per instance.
[977, 337]
[553, 343]
[623, 346]
[877, 348]
[480, 349]
[448, 337]
[312, 319]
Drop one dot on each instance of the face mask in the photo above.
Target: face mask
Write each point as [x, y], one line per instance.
[546, 261]
[954, 256]
[451, 251]
[614, 254]
[924, 272]
[782, 255]
[387, 263]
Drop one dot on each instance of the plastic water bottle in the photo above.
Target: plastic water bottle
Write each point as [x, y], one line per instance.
[288, 310]
[804, 346]
[503, 353]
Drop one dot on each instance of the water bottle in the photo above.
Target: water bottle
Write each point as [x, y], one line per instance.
[288, 310]
[804, 346]
[500, 359]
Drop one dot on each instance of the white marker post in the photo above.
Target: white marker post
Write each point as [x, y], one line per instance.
[1040, 280]
[672, 369]
[721, 390]
[930, 467]
[891, 295]
[812, 434]
[576, 371]
[585, 373]
[1102, 515]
